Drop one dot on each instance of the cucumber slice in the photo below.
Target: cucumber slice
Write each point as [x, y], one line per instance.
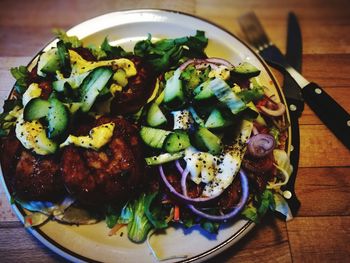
[155, 116]
[92, 85]
[164, 158]
[217, 120]
[49, 62]
[173, 93]
[225, 95]
[153, 137]
[60, 85]
[176, 141]
[64, 59]
[73, 81]
[36, 109]
[205, 140]
[195, 116]
[57, 117]
[203, 92]
[246, 70]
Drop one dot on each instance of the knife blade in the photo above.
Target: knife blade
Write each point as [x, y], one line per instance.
[336, 118]
[295, 104]
[294, 56]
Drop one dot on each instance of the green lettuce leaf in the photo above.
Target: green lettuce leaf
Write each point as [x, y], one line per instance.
[139, 226]
[21, 74]
[166, 53]
[256, 210]
[113, 51]
[70, 41]
[282, 206]
[210, 226]
[155, 215]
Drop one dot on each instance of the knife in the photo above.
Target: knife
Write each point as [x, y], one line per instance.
[295, 103]
[325, 107]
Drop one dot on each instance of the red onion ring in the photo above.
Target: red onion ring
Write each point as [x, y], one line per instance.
[204, 63]
[235, 210]
[261, 145]
[179, 167]
[220, 61]
[185, 199]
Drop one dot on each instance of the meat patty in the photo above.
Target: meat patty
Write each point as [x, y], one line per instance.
[137, 91]
[111, 174]
[38, 178]
[30, 176]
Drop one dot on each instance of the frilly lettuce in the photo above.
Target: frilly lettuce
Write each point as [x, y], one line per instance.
[284, 166]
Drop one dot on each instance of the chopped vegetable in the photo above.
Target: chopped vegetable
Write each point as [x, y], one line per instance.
[21, 74]
[166, 53]
[71, 41]
[139, 226]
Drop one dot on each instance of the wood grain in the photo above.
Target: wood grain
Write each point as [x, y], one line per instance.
[324, 191]
[319, 239]
[268, 242]
[320, 232]
[26, 247]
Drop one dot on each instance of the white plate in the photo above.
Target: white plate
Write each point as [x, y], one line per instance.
[91, 243]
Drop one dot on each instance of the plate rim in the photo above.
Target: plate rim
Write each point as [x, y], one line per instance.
[68, 254]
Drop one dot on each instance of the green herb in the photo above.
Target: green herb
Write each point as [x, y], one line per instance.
[111, 216]
[166, 53]
[97, 52]
[10, 104]
[188, 221]
[210, 226]
[64, 58]
[70, 41]
[113, 51]
[190, 78]
[21, 74]
[9, 116]
[260, 206]
[251, 94]
[250, 212]
[155, 216]
[275, 133]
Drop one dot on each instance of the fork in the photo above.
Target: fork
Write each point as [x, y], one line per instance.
[325, 107]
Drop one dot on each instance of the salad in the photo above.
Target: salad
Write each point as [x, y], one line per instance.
[143, 139]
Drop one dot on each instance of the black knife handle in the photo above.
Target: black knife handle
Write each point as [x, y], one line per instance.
[329, 111]
[293, 202]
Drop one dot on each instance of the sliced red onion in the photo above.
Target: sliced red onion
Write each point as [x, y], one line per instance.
[185, 199]
[278, 111]
[220, 61]
[190, 62]
[184, 175]
[261, 145]
[235, 211]
[204, 63]
[179, 167]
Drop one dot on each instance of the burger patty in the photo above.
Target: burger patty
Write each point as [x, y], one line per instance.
[111, 174]
[30, 176]
[38, 178]
[137, 91]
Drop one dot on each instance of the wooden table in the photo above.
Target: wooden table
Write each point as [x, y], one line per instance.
[321, 231]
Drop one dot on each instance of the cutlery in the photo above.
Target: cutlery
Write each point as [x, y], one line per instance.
[325, 107]
[295, 104]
